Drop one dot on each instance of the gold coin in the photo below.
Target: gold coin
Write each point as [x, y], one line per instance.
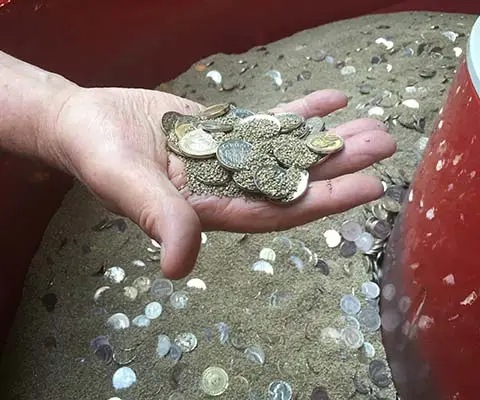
[215, 111]
[198, 144]
[182, 129]
[325, 143]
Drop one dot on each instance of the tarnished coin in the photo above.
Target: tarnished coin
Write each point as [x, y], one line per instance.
[269, 180]
[289, 121]
[294, 153]
[297, 180]
[352, 337]
[325, 143]
[214, 126]
[380, 229]
[262, 125]
[186, 341]
[378, 373]
[280, 390]
[245, 180]
[172, 143]
[182, 129]
[396, 192]
[215, 111]
[198, 144]
[241, 112]
[168, 121]
[391, 205]
[214, 381]
[316, 124]
[233, 154]
[301, 132]
[211, 173]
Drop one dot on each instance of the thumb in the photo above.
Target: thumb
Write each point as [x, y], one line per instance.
[146, 195]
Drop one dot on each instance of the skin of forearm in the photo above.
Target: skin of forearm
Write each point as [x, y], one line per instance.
[30, 102]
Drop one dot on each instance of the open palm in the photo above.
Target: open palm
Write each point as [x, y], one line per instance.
[111, 140]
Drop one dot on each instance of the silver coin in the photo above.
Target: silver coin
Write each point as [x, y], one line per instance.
[279, 390]
[316, 124]
[215, 126]
[161, 288]
[369, 319]
[378, 373]
[370, 290]
[268, 125]
[233, 154]
[351, 230]
[289, 121]
[241, 112]
[352, 337]
[198, 144]
[186, 341]
[391, 205]
[350, 304]
[215, 111]
[348, 249]
[301, 177]
[396, 192]
[380, 229]
[269, 181]
[379, 212]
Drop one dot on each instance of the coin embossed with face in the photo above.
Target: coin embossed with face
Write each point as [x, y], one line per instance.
[325, 143]
[198, 144]
[233, 154]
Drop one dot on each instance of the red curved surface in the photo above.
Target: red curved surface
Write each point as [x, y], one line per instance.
[135, 44]
[432, 264]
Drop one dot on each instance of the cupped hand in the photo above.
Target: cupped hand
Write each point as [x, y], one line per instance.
[111, 140]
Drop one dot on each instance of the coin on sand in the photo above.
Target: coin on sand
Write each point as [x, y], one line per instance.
[297, 180]
[325, 143]
[269, 180]
[211, 173]
[215, 111]
[266, 125]
[233, 154]
[198, 144]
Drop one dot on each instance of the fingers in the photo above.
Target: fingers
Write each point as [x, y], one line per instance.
[361, 150]
[359, 125]
[149, 198]
[323, 198]
[319, 103]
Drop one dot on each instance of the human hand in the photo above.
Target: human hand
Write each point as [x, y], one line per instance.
[111, 140]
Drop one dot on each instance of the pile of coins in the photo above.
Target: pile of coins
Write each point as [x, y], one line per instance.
[261, 154]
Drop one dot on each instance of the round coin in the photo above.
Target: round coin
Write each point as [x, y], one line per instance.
[169, 120]
[352, 337]
[279, 390]
[380, 229]
[211, 173]
[263, 125]
[233, 154]
[245, 180]
[269, 180]
[182, 129]
[378, 373]
[319, 393]
[289, 121]
[186, 341]
[350, 304]
[294, 153]
[301, 132]
[325, 143]
[348, 249]
[198, 144]
[216, 126]
[215, 111]
[369, 319]
[297, 181]
[391, 205]
[241, 112]
[214, 381]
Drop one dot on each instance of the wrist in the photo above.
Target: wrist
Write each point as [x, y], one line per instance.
[31, 100]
